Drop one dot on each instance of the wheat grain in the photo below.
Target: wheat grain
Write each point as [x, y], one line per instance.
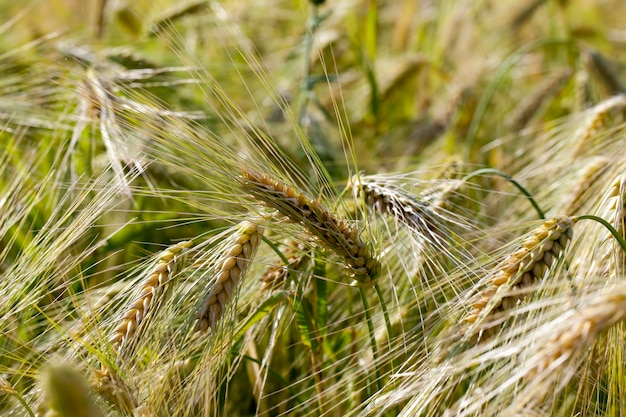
[531, 262]
[275, 275]
[152, 287]
[233, 265]
[333, 231]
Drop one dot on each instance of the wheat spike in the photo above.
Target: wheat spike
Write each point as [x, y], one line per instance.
[334, 232]
[595, 120]
[418, 214]
[275, 275]
[582, 328]
[529, 107]
[233, 265]
[152, 287]
[531, 262]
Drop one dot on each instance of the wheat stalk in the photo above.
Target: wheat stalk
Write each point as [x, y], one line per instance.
[528, 264]
[233, 264]
[334, 232]
[152, 287]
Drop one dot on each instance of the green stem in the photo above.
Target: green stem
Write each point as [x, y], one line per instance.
[606, 224]
[512, 181]
[383, 306]
[275, 249]
[370, 327]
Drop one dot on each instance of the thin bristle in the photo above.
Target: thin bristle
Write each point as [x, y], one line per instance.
[334, 232]
[233, 266]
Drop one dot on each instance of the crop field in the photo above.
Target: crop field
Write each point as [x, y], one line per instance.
[312, 208]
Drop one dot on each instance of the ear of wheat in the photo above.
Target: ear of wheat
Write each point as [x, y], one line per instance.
[152, 287]
[232, 267]
[528, 264]
[582, 328]
[336, 233]
[426, 214]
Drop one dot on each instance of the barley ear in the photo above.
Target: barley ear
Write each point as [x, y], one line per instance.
[524, 267]
[152, 288]
[584, 326]
[232, 267]
[334, 232]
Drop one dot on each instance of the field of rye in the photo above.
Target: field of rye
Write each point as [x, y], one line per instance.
[312, 208]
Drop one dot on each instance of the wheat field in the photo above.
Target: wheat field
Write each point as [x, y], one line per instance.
[312, 208]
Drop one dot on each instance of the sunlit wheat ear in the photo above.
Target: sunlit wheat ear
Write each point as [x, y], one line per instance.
[334, 232]
[232, 267]
[275, 275]
[420, 213]
[528, 264]
[68, 394]
[594, 120]
[152, 288]
[581, 328]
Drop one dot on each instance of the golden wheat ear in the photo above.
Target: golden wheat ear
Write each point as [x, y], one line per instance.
[334, 232]
[152, 288]
[235, 259]
[528, 264]
[583, 327]
[422, 214]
